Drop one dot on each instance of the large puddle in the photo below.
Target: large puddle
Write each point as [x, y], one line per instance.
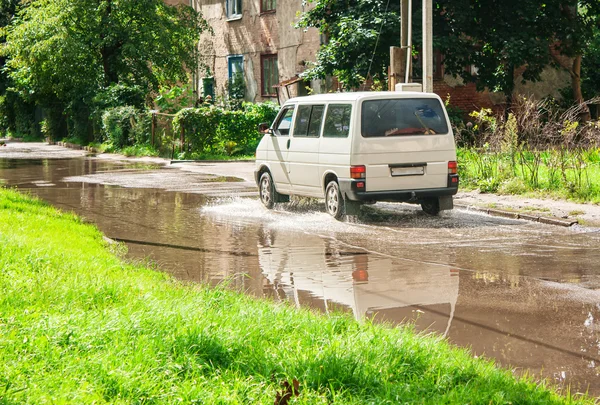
[518, 292]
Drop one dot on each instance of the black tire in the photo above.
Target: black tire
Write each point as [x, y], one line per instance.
[266, 190]
[334, 202]
[431, 206]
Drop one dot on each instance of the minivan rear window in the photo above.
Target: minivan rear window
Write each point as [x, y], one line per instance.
[398, 117]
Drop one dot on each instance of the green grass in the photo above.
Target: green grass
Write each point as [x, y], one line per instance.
[573, 176]
[78, 325]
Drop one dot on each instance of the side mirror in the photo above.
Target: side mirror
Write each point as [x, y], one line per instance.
[263, 128]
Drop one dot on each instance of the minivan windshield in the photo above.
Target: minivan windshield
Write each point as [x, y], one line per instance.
[406, 116]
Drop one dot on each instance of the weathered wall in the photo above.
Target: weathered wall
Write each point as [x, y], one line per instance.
[467, 98]
[552, 80]
[176, 2]
[253, 35]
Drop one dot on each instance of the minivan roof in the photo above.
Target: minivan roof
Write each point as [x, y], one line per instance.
[359, 95]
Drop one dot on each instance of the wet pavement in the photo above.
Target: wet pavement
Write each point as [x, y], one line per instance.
[522, 293]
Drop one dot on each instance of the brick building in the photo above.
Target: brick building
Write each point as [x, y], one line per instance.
[255, 40]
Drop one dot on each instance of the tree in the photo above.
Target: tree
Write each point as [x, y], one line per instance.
[575, 37]
[63, 53]
[590, 73]
[16, 115]
[498, 38]
[355, 47]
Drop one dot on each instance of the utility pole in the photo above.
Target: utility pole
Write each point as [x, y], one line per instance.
[427, 46]
[405, 52]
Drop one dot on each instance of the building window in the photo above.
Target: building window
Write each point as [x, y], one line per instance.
[208, 87]
[267, 6]
[269, 75]
[237, 87]
[234, 8]
[236, 68]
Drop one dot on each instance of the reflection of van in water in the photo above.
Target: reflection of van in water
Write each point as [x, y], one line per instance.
[311, 272]
[360, 147]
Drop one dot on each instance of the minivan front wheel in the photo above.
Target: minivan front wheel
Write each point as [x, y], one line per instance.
[334, 202]
[431, 206]
[266, 191]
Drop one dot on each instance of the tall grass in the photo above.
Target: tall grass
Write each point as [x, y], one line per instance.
[535, 149]
[78, 325]
[561, 173]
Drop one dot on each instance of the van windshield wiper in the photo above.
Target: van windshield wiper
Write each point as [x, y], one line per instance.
[428, 131]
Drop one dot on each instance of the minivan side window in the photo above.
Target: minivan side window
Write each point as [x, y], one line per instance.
[284, 123]
[308, 120]
[337, 121]
[402, 117]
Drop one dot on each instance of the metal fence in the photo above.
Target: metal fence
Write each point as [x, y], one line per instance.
[162, 135]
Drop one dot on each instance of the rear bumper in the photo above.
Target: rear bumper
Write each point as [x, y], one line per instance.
[350, 191]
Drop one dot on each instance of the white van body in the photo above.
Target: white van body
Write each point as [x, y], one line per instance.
[360, 147]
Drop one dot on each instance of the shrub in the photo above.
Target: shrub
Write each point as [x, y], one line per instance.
[118, 125]
[199, 126]
[213, 129]
[142, 128]
[17, 117]
[118, 95]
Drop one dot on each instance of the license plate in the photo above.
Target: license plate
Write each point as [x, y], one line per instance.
[408, 171]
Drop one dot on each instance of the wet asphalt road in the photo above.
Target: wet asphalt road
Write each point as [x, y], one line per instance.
[524, 294]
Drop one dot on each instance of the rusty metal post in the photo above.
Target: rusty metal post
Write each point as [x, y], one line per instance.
[153, 128]
[182, 136]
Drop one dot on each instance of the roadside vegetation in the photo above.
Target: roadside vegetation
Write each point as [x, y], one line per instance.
[538, 149]
[80, 325]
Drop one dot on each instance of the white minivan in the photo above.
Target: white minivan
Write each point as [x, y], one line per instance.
[351, 148]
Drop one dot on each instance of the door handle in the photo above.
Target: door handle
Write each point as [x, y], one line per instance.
[288, 143]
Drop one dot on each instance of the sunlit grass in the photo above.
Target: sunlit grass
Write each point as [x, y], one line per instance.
[78, 325]
[563, 175]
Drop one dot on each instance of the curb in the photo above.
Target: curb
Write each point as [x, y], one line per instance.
[566, 223]
[213, 161]
[75, 146]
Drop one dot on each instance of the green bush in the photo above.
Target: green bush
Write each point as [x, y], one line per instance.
[216, 130]
[142, 129]
[199, 126]
[17, 117]
[118, 95]
[118, 125]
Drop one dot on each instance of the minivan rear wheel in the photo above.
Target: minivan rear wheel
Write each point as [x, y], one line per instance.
[334, 202]
[431, 206]
[266, 190]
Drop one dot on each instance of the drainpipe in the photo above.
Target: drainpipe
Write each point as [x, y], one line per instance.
[428, 46]
[409, 44]
[195, 93]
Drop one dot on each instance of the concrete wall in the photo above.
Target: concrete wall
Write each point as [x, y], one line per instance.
[468, 99]
[251, 36]
[176, 2]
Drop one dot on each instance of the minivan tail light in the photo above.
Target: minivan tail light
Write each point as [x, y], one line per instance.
[358, 172]
[452, 167]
